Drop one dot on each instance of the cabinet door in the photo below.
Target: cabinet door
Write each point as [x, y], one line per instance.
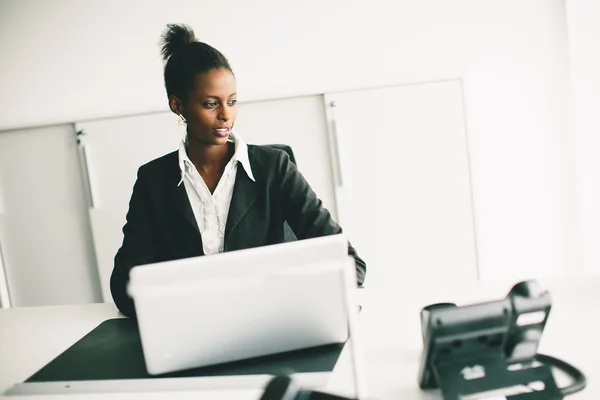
[46, 248]
[112, 150]
[115, 148]
[403, 181]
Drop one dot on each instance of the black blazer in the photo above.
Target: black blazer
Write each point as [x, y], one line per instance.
[161, 225]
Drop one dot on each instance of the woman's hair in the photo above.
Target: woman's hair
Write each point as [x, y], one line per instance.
[186, 57]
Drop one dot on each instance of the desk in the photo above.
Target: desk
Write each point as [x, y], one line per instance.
[388, 334]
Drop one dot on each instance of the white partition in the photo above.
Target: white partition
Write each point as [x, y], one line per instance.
[116, 147]
[404, 181]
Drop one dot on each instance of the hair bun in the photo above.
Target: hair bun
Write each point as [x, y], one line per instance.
[174, 38]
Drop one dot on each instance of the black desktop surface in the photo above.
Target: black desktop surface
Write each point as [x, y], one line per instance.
[113, 350]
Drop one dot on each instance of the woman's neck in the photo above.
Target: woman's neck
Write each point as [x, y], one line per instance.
[209, 158]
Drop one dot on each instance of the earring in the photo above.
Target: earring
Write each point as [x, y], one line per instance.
[181, 120]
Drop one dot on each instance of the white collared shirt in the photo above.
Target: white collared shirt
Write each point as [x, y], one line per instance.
[211, 209]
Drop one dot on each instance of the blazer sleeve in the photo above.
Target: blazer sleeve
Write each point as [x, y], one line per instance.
[139, 244]
[304, 211]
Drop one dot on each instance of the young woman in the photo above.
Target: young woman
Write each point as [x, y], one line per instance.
[215, 193]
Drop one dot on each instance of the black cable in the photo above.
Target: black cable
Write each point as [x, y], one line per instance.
[580, 381]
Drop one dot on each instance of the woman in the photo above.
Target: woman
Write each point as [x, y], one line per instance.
[215, 193]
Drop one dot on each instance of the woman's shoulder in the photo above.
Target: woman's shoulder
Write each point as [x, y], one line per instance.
[165, 165]
[268, 156]
[270, 163]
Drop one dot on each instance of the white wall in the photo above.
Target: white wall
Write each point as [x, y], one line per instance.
[583, 18]
[73, 60]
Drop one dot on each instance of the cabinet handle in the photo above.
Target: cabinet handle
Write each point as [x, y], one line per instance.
[85, 159]
[338, 159]
[4, 291]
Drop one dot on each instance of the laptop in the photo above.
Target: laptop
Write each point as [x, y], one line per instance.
[243, 304]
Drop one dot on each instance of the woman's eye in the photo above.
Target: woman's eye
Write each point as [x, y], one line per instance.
[232, 102]
[210, 105]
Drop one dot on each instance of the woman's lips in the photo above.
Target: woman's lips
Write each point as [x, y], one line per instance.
[222, 131]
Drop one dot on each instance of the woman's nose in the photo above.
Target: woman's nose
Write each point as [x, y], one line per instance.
[225, 114]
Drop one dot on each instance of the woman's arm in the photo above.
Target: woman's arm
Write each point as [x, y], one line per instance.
[138, 248]
[304, 211]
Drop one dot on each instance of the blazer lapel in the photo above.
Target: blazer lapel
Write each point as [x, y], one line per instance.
[180, 223]
[182, 204]
[245, 194]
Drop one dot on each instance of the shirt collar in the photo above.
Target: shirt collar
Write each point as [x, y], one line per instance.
[240, 155]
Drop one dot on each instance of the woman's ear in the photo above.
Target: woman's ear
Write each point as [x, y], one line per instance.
[175, 104]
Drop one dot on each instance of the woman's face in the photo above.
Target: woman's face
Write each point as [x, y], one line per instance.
[211, 107]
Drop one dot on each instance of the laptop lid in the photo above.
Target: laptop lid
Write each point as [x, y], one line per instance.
[232, 306]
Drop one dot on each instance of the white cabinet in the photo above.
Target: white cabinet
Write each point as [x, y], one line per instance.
[403, 185]
[394, 166]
